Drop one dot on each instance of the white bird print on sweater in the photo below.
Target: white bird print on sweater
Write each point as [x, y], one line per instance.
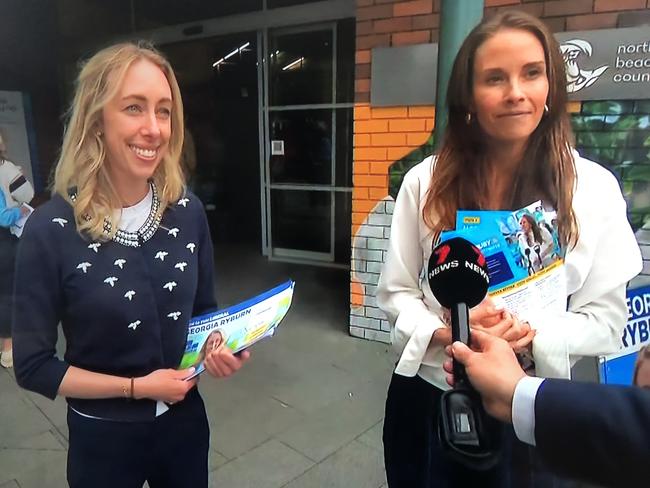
[111, 281]
[134, 325]
[161, 255]
[129, 294]
[120, 263]
[84, 266]
[170, 285]
[60, 221]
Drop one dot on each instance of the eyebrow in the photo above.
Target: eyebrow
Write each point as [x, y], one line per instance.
[527, 65]
[142, 98]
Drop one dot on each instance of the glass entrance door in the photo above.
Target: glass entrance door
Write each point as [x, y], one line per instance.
[307, 165]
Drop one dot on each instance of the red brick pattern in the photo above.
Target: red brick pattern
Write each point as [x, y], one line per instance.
[383, 135]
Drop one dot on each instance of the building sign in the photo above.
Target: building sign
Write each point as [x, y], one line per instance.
[608, 64]
[619, 368]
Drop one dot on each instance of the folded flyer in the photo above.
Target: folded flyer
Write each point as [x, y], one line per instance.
[523, 255]
[17, 228]
[239, 326]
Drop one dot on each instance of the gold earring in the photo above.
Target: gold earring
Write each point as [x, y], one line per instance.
[468, 118]
[99, 133]
[545, 108]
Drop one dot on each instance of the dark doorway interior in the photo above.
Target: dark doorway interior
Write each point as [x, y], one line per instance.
[218, 79]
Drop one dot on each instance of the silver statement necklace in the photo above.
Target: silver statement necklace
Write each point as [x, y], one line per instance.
[145, 232]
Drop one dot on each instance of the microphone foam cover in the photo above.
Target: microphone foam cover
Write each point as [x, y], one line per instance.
[458, 273]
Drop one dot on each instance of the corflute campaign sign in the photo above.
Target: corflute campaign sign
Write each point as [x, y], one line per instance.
[618, 368]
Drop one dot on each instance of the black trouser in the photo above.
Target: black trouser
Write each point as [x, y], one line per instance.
[171, 451]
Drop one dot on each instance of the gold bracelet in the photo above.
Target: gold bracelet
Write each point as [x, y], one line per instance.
[132, 388]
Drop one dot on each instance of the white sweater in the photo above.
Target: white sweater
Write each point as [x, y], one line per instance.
[597, 269]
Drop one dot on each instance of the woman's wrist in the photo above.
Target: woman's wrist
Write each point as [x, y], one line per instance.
[138, 388]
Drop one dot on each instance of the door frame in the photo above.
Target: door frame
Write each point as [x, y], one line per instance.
[298, 18]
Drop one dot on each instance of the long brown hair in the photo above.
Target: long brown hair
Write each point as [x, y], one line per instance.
[459, 178]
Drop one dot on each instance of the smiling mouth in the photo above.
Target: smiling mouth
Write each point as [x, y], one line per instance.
[144, 153]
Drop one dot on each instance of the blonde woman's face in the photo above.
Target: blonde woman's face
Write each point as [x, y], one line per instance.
[137, 125]
[510, 86]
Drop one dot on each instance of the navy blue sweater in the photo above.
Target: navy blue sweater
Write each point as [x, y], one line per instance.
[124, 310]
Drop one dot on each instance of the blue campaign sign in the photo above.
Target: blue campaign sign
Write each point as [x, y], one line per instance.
[618, 368]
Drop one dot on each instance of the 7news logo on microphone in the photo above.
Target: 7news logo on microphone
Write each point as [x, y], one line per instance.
[445, 259]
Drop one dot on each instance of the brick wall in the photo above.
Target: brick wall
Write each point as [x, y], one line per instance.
[388, 141]
[382, 136]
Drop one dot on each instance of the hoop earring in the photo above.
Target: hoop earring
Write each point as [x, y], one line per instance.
[468, 118]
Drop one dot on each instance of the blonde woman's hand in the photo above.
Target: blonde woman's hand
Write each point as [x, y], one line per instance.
[167, 385]
[221, 362]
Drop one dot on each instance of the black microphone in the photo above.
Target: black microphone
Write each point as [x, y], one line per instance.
[458, 277]
[529, 260]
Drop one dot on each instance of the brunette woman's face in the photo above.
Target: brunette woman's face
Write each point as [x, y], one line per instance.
[510, 86]
[525, 225]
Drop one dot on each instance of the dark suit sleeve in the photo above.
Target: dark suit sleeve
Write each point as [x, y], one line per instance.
[596, 433]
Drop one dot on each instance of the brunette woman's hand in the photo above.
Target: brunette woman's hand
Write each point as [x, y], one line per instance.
[486, 314]
[167, 385]
[518, 334]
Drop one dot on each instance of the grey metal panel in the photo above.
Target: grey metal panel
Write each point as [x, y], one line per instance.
[607, 64]
[404, 75]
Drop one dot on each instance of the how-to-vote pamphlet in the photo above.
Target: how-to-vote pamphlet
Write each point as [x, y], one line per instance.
[523, 255]
[239, 326]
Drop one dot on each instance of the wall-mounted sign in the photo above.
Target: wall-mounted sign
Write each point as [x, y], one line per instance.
[607, 64]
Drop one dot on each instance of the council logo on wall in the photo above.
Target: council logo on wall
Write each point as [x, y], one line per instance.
[577, 77]
[608, 64]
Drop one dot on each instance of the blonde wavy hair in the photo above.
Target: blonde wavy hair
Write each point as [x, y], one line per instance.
[83, 153]
[547, 172]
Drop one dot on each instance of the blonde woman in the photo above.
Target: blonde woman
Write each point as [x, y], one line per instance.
[122, 257]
